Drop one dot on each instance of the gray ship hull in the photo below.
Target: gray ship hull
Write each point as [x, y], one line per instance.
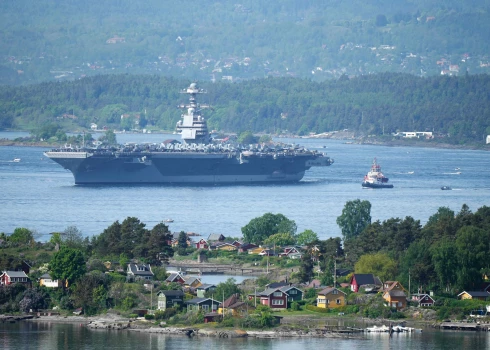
[184, 168]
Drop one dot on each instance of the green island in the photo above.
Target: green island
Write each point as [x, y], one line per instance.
[149, 279]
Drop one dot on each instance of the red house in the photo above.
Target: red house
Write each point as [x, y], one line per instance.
[9, 277]
[202, 244]
[275, 298]
[176, 278]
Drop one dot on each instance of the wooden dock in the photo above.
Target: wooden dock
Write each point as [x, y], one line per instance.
[464, 326]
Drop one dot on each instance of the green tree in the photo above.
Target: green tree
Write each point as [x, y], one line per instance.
[306, 237]
[305, 273]
[473, 254]
[356, 216]
[182, 240]
[258, 229]
[109, 138]
[72, 237]
[378, 264]
[280, 240]
[21, 236]
[158, 249]
[68, 265]
[247, 138]
[224, 290]
[445, 264]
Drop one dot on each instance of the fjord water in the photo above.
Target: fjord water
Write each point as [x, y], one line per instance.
[47, 335]
[38, 194]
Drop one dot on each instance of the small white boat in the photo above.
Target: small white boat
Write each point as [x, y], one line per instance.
[168, 220]
[16, 160]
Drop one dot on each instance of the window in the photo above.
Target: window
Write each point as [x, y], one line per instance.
[327, 301]
[339, 301]
[277, 302]
[205, 307]
[335, 291]
[320, 301]
[293, 291]
[278, 294]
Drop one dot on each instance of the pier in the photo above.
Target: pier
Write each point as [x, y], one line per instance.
[464, 326]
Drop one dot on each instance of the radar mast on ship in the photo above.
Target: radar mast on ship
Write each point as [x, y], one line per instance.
[193, 127]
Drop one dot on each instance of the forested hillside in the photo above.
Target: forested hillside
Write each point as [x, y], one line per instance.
[48, 40]
[456, 109]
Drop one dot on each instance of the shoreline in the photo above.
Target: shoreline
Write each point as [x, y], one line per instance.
[318, 329]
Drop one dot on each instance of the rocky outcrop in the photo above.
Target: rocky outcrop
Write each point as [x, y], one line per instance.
[109, 325]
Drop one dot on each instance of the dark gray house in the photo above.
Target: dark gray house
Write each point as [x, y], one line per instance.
[170, 298]
[206, 304]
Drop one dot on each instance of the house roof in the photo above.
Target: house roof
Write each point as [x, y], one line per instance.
[476, 293]
[396, 293]
[140, 269]
[206, 286]
[278, 284]
[197, 301]
[191, 280]
[174, 276]
[233, 302]
[45, 276]
[171, 293]
[269, 291]
[314, 284]
[247, 246]
[287, 288]
[215, 237]
[15, 274]
[366, 278]
[329, 290]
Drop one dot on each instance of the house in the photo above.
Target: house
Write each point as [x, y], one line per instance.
[395, 298]
[216, 237]
[170, 298]
[234, 306]
[314, 284]
[206, 304]
[474, 295]
[275, 298]
[223, 246]
[10, 277]
[394, 294]
[139, 272]
[366, 281]
[245, 247]
[424, 300]
[330, 297]
[205, 288]
[175, 277]
[266, 252]
[294, 294]
[48, 282]
[291, 252]
[212, 317]
[255, 251]
[202, 244]
[192, 282]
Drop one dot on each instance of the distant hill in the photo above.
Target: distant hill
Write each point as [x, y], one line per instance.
[54, 40]
[455, 109]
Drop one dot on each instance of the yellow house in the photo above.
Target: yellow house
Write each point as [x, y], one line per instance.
[474, 295]
[330, 297]
[192, 282]
[394, 294]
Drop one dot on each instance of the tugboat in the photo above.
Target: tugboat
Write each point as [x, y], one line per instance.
[375, 178]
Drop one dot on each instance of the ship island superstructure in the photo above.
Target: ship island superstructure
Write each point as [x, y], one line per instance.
[197, 160]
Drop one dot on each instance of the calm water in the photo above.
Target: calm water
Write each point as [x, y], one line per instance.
[34, 335]
[39, 194]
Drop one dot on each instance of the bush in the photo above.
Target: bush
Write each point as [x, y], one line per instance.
[317, 309]
[295, 306]
[149, 317]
